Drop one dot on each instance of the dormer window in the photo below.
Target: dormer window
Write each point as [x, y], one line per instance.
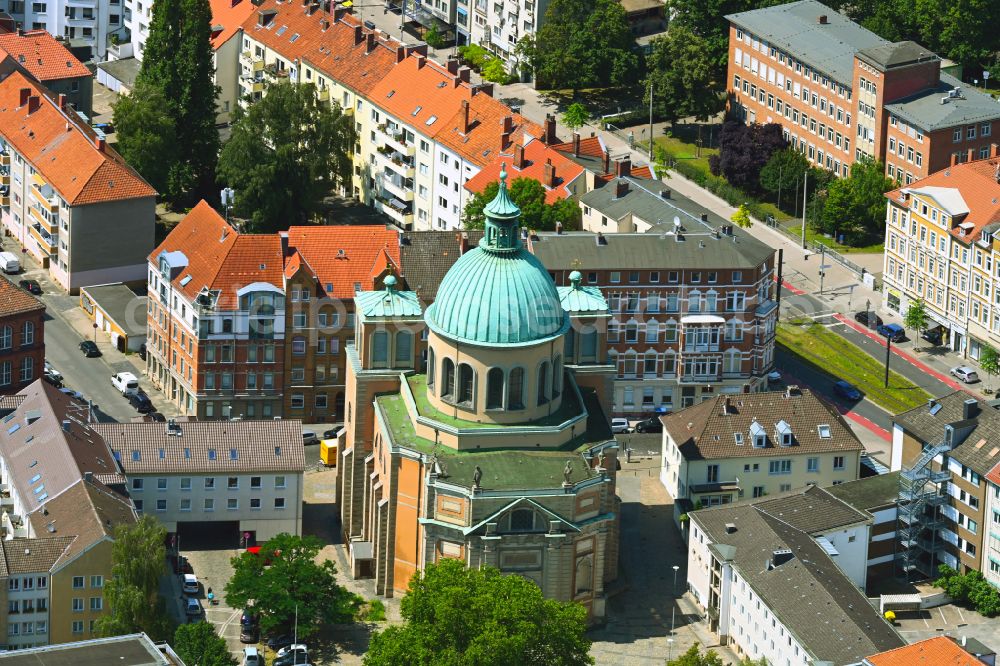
[783, 433]
[758, 435]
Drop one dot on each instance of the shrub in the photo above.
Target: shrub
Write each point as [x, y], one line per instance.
[473, 55]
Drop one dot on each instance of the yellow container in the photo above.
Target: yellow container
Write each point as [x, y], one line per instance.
[328, 452]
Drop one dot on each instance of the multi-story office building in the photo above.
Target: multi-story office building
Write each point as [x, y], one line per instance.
[52, 65]
[68, 198]
[22, 338]
[944, 451]
[693, 310]
[753, 445]
[991, 556]
[780, 579]
[842, 92]
[90, 23]
[254, 325]
[241, 477]
[940, 246]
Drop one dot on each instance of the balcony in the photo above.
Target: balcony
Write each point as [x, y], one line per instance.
[390, 158]
[251, 62]
[395, 140]
[39, 217]
[5, 176]
[396, 187]
[323, 95]
[46, 196]
[272, 73]
[400, 212]
[5, 158]
[45, 241]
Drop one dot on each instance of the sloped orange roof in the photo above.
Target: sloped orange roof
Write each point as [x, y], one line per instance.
[977, 184]
[227, 18]
[329, 46]
[937, 651]
[342, 255]
[63, 149]
[591, 146]
[536, 154]
[219, 257]
[481, 143]
[422, 94]
[39, 53]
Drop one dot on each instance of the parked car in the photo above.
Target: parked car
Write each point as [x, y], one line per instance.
[182, 566]
[31, 286]
[292, 658]
[248, 619]
[933, 335]
[846, 390]
[294, 647]
[652, 424]
[192, 608]
[50, 370]
[965, 373]
[154, 417]
[74, 395]
[280, 641]
[9, 263]
[125, 383]
[331, 434]
[894, 332]
[619, 425]
[868, 318]
[141, 402]
[251, 657]
[53, 378]
[309, 437]
[250, 634]
[89, 348]
[107, 128]
[189, 584]
[142, 351]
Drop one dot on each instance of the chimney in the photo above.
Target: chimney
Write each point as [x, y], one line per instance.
[970, 409]
[664, 194]
[607, 162]
[464, 74]
[33, 104]
[549, 177]
[338, 14]
[62, 101]
[822, 19]
[550, 130]
[704, 217]
[20, 32]
[25, 94]
[100, 144]
[465, 116]
[452, 65]
[621, 188]
[954, 159]
[359, 34]
[518, 156]
[576, 144]
[88, 476]
[623, 167]
[730, 528]
[504, 141]
[508, 124]
[972, 154]
[400, 53]
[994, 150]
[370, 46]
[421, 61]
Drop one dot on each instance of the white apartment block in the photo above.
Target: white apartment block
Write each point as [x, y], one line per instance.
[80, 21]
[991, 545]
[28, 599]
[498, 25]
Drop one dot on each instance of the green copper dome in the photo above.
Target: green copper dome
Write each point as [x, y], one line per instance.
[498, 293]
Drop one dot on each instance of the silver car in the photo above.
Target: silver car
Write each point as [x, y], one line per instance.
[965, 373]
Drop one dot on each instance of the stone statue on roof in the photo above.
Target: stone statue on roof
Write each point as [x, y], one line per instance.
[477, 476]
[568, 472]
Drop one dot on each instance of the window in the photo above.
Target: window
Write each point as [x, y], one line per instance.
[78, 582]
[812, 465]
[78, 624]
[137, 484]
[185, 504]
[522, 520]
[185, 483]
[279, 502]
[233, 483]
[279, 482]
[515, 389]
[255, 504]
[838, 463]
[27, 334]
[779, 467]
[209, 483]
[209, 504]
[96, 603]
[494, 389]
[232, 504]
[254, 483]
[78, 605]
[466, 382]
[447, 378]
[27, 368]
[161, 484]
[161, 505]
[380, 348]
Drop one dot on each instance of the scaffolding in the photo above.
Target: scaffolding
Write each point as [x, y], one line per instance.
[922, 492]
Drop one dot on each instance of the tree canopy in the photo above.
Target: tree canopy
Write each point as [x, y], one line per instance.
[199, 644]
[743, 152]
[576, 116]
[287, 152]
[683, 76]
[456, 615]
[915, 317]
[970, 588]
[167, 124]
[285, 576]
[529, 195]
[582, 44]
[138, 561]
[855, 206]
[783, 171]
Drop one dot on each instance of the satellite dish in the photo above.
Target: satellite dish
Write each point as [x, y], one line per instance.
[677, 221]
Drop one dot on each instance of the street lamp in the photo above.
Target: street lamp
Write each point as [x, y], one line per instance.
[670, 648]
[676, 568]
[95, 332]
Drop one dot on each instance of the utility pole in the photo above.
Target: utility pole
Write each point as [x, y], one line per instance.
[805, 190]
[651, 122]
[822, 266]
[779, 185]
[888, 348]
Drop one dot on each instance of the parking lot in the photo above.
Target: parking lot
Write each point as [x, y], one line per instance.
[948, 620]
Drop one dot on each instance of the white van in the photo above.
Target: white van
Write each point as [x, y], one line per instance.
[126, 383]
[9, 263]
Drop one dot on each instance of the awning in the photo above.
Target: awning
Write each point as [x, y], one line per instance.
[418, 14]
[702, 319]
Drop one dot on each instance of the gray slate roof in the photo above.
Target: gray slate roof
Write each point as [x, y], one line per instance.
[868, 493]
[794, 28]
[131, 650]
[895, 54]
[809, 594]
[984, 426]
[34, 555]
[925, 110]
[260, 446]
[425, 257]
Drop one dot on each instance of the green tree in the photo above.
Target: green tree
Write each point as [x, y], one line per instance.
[286, 153]
[576, 116]
[138, 561]
[969, 588]
[456, 615]
[682, 76]
[434, 38]
[473, 55]
[493, 70]
[707, 20]
[199, 644]
[741, 217]
[855, 206]
[529, 195]
[783, 172]
[695, 657]
[582, 44]
[915, 317]
[989, 360]
[178, 64]
[284, 577]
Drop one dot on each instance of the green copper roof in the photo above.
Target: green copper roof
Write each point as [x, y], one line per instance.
[577, 298]
[388, 302]
[502, 205]
[497, 298]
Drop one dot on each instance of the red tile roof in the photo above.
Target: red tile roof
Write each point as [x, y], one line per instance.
[480, 143]
[994, 474]
[536, 154]
[591, 146]
[343, 255]
[15, 301]
[63, 149]
[976, 182]
[227, 18]
[39, 53]
[421, 93]
[937, 651]
[329, 46]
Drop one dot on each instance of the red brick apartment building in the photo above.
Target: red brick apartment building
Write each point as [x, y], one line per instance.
[22, 338]
[842, 92]
[255, 325]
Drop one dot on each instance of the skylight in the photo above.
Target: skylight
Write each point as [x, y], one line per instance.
[416, 110]
[282, 30]
[294, 37]
[211, 454]
[391, 93]
[431, 120]
[824, 431]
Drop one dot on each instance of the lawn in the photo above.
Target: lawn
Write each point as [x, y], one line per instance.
[679, 148]
[793, 227]
[840, 359]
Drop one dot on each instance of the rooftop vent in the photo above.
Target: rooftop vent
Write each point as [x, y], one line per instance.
[173, 429]
[822, 19]
[730, 528]
[779, 557]
[970, 409]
